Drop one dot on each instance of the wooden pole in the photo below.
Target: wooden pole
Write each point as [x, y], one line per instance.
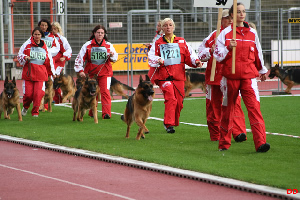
[213, 68]
[234, 34]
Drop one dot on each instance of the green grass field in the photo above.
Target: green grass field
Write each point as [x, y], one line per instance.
[189, 148]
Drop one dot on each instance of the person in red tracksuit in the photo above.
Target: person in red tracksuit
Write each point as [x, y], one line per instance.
[169, 55]
[51, 43]
[63, 55]
[98, 54]
[249, 64]
[214, 94]
[36, 61]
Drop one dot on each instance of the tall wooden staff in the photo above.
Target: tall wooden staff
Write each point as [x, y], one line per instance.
[234, 34]
[214, 63]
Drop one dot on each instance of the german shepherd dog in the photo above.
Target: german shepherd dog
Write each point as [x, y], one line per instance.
[85, 98]
[118, 87]
[139, 106]
[193, 81]
[67, 85]
[289, 77]
[9, 99]
[48, 97]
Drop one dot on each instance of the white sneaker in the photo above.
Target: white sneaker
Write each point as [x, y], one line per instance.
[35, 116]
[24, 111]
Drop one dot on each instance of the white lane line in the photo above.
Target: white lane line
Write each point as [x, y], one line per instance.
[68, 182]
[187, 123]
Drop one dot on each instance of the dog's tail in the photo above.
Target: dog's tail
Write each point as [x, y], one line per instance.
[127, 87]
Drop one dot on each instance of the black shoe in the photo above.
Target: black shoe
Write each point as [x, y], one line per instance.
[223, 149]
[240, 138]
[263, 148]
[170, 129]
[106, 116]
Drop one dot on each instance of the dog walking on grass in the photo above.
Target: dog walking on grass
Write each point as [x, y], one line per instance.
[85, 98]
[10, 99]
[67, 86]
[139, 106]
[48, 97]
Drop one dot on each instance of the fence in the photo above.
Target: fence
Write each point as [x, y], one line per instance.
[138, 27]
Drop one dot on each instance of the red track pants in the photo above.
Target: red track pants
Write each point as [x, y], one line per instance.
[249, 92]
[214, 98]
[33, 92]
[104, 85]
[173, 94]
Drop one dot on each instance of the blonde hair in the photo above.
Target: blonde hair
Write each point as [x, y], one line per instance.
[252, 25]
[167, 19]
[161, 30]
[57, 25]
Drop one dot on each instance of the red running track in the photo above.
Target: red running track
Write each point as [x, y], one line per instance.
[35, 174]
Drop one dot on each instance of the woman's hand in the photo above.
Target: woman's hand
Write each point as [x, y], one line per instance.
[263, 77]
[212, 49]
[62, 59]
[27, 58]
[82, 74]
[198, 63]
[160, 61]
[232, 43]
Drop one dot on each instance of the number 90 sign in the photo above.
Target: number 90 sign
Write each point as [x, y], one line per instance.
[219, 3]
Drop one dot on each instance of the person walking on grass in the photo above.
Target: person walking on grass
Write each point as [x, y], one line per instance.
[214, 94]
[98, 54]
[168, 56]
[249, 63]
[36, 61]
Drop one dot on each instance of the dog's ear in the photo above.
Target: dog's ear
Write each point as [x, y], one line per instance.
[14, 81]
[95, 76]
[147, 77]
[141, 79]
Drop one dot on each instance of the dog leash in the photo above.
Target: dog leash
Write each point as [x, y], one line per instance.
[174, 83]
[153, 73]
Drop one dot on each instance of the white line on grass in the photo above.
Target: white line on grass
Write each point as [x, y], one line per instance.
[67, 182]
[187, 123]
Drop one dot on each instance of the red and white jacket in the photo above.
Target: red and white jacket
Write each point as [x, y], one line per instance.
[205, 54]
[65, 48]
[175, 55]
[249, 61]
[97, 58]
[40, 61]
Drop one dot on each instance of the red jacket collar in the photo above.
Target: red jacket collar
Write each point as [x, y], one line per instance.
[246, 28]
[94, 42]
[35, 44]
